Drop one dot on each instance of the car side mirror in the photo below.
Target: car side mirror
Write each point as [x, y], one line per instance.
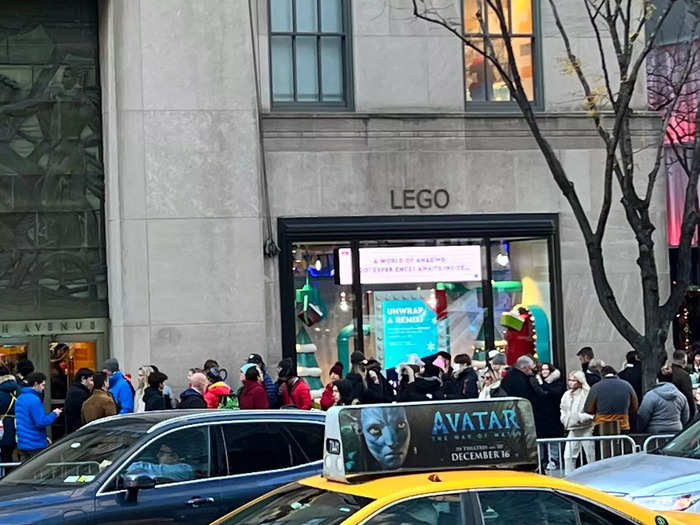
[135, 481]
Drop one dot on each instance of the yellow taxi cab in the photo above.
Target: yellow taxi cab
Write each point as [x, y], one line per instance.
[442, 463]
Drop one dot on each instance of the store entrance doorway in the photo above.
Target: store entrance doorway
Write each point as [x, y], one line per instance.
[59, 357]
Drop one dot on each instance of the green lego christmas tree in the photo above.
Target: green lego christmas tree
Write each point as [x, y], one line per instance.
[312, 311]
[307, 365]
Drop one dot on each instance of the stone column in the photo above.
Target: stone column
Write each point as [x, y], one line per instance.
[181, 146]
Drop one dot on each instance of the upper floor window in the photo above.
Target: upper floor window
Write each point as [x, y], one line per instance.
[483, 83]
[309, 53]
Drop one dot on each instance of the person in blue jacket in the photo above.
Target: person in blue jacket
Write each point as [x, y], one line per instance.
[119, 387]
[9, 392]
[31, 419]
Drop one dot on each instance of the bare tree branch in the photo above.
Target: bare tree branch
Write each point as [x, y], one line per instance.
[623, 25]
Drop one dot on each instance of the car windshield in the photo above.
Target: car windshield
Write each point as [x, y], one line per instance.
[76, 459]
[686, 444]
[301, 505]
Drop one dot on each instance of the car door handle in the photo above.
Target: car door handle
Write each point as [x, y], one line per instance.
[197, 501]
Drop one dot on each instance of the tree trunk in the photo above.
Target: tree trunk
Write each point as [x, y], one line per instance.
[651, 364]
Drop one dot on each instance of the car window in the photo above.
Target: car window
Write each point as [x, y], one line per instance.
[444, 509]
[219, 461]
[182, 455]
[526, 507]
[258, 447]
[297, 504]
[309, 438]
[592, 514]
[77, 459]
[686, 444]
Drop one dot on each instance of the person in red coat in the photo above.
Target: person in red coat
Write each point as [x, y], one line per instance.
[216, 389]
[294, 392]
[253, 395]
[336, 374]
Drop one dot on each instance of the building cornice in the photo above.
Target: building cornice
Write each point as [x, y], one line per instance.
[357, 131]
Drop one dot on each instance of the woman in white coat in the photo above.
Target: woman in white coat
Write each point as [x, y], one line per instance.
[140, 386]
[577, 422]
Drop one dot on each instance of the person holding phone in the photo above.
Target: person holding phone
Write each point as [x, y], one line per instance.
[30, 418]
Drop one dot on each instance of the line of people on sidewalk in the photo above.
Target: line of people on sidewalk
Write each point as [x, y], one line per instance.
[594, 397]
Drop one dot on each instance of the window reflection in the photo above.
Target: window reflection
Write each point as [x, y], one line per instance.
[521, 288]
[422, 316]
[419, 297]
[51, 176]
[11, 354]
[308, 46]
[482, 80]
[325, 327]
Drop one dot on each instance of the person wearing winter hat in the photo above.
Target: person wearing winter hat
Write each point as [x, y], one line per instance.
[466, 378]
[293, 390]
[426, 387]
[268, 382]
[119, 387]
[356, 380]
[24, 368]
[379, 390]
[576, 421]
[358, 358]
[217, 387]
[335, 374]
[498, 364]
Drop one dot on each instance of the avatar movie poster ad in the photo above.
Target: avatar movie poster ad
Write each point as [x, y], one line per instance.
[446, 435]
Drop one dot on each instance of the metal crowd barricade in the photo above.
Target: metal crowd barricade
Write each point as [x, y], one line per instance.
[550, 451]
[655, 441]
[5, 466]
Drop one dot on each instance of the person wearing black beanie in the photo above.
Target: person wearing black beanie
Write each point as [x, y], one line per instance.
[427, 386]
[24, 368]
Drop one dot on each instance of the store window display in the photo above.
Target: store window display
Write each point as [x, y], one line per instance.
[522, 290]
[323, 313]
[419, 297]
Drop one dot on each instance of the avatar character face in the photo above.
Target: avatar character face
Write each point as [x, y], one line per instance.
[387, 435]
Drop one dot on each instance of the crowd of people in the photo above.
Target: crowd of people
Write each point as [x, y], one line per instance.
[595, 398]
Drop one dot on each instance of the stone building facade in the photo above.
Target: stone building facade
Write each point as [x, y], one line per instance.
[189, 114]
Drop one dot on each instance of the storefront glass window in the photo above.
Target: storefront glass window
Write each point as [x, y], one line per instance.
[521, 289]
[417, 297]
[52, 244]
[403, 288]
[11, 354]
[325, 324]
[422, 297]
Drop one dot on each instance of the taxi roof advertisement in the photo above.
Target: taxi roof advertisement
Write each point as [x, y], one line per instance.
[390, 438]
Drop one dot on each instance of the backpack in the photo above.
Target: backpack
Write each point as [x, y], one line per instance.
[229, 401]
[7, 414]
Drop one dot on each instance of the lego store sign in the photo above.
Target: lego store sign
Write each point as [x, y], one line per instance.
[423, 199]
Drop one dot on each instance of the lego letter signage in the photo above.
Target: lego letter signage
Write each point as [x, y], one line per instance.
[424, 199]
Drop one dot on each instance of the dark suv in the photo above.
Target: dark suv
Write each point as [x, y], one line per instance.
[163, 467]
